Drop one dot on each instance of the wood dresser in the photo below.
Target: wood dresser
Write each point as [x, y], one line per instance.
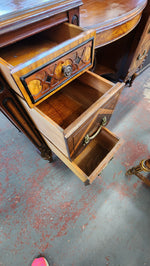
[46, 88]
[123, 58]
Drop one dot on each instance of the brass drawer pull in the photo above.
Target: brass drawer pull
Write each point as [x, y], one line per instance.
[67, 70]
[87, 138]
[142, 56]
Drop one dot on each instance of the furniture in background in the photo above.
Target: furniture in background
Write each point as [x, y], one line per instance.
[123, 59]
[47, 90]
[143, 166]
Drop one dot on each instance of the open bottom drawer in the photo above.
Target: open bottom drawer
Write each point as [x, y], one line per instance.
[94, 157]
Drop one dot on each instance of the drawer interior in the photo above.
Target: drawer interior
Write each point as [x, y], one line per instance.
[28, 48]
[68, 104]
[97, 150]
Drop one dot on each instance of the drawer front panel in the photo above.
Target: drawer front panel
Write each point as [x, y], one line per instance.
[45, 80]
[51, 61]
[76, 142]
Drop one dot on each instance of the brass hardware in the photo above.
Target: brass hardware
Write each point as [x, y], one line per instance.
[87, 138]
[144, 165]
[67, 70]
[142, 56]
[75, 20]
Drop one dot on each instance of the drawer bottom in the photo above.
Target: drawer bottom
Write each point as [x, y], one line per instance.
[89, 163]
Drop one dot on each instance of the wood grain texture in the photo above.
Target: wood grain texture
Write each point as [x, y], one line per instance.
[50, 77]
[94, 158]
[31, 55]
[111, 19]
[95, 152]
[107, 36]
[11, 107]
[47, 127]
[20, 33]
[27, 12]
[118, 60]
[141, 50]
[71, 165]
[77, 109]
[111, 90]
[76, 140]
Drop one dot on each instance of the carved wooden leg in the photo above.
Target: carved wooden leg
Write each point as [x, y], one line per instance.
[143, 166]
[11, 107]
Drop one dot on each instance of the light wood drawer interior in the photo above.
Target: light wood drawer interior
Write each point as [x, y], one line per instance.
[42, 64]
[97, 154]
[93, 158]
[68, 115]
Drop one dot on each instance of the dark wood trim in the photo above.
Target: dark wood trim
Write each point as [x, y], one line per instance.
[14, 111]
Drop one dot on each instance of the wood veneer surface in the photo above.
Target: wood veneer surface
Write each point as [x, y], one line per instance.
[69, 103]
[29, 48]
[95, 152]
[25, 50]
[21, 10]
[108, 13]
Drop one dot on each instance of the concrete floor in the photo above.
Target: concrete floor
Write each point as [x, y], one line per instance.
[45, 209]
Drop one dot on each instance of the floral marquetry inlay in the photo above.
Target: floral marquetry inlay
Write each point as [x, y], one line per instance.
[56, 73]
[35, 86]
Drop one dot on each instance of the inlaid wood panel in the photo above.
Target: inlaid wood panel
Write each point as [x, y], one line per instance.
[43, 64]
[42, 82]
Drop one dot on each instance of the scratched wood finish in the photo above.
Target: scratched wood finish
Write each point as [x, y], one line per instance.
[111, 19]
[65, 117]
[62, 43]
[27, 12]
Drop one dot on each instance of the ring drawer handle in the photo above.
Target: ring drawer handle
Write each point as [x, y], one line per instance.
[67, 70]
[141, 56]
[87, 138]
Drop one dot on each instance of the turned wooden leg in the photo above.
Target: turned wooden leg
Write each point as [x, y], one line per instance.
[11, 107]
[143, 166]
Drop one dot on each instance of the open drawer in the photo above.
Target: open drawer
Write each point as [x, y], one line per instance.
[40, 65]
[79, 110]
[89, 163]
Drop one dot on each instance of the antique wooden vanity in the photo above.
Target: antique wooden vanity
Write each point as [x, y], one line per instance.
[46, 87]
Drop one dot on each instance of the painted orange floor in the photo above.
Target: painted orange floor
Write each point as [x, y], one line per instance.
[45, 209]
